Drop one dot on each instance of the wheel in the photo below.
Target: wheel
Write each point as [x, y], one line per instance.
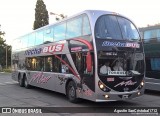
[71, 92]
[21, 81]
[26, 85]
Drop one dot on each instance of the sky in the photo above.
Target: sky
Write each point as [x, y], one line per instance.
[17, 16]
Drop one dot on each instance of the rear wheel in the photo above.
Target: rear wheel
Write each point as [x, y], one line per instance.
[26, 85]
[71, 92]
[20, 80]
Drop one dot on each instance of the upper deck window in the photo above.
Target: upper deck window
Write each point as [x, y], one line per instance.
[152, 35]
[115, 27]
[74, 28]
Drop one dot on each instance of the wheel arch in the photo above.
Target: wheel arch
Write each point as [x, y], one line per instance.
[69, 80]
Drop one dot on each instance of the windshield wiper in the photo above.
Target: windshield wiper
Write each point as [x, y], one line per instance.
[133, 39]
[134, 72]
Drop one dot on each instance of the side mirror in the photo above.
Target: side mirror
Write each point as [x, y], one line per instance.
[89, 62]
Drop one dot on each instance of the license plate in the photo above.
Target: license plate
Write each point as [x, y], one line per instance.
[124, 96]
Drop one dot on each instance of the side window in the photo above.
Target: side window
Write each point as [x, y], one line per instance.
[35, 64]
[24, 42]
[64, 67]
[28, 63]
[48, 65]
[74, 28]
[31, 39]
[155, 64]
[78, 61]
[39, 37]
[56, 64]
[86, 26]
[59, 32]
[48, 35]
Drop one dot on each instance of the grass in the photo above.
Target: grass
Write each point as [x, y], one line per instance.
[8, 70]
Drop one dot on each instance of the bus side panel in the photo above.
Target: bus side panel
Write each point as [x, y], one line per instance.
[152, 84]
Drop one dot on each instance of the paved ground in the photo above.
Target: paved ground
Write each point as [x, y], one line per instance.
[11, 95]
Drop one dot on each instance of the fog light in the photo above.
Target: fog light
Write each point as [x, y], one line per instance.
[106, 96]
[101, 86]
[139, 93]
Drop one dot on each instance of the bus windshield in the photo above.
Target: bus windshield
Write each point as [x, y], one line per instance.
[115, 27]
[121, 63]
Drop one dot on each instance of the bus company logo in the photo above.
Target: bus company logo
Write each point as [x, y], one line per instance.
[125, 83]
[53, 48]
[121, 44]
[132, 45]
[33, 51]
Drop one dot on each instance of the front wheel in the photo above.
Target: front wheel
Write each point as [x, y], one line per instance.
[71, 92]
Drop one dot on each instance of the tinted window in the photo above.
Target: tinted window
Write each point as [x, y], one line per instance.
[31, 40]
[107, 27]
[48, 64]
[151, 35]
[74, 28]
[39, 37]
[86, 26]
[155, 64]
[114, 27]
[128, 29]
[59, 32]
[24, 42]
[48, 35]
[35, 63]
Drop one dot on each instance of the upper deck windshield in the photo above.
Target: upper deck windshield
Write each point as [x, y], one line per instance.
[116, 27]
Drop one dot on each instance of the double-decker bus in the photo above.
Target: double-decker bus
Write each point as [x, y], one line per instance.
[68, 56]
[151, 38]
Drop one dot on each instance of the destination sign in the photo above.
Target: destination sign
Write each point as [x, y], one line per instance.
[118, 73]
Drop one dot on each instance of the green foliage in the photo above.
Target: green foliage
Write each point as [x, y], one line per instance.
[41, 15]
[3, 49]
[7, 70]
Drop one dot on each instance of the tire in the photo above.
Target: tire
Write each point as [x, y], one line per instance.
[26, 85]
[71, 92]
[21, 81]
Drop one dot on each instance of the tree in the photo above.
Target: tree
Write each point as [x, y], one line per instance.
[2, 42]
[41, 15]
[4, 48]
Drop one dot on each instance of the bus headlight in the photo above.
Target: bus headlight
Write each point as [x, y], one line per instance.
[139, 93]
[141, 84]
[103, 87]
